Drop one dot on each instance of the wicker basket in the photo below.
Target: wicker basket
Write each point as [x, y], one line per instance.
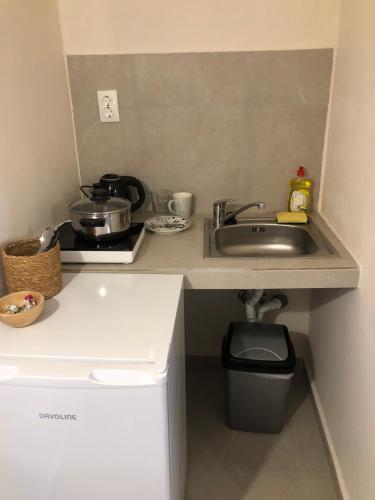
[27, 270]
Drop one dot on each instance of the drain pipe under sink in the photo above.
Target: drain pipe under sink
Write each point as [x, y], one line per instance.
[278, 302]
[251, 300]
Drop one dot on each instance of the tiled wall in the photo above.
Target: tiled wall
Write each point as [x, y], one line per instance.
[216, 124]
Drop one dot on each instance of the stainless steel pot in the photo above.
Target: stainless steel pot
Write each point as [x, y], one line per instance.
[100, 217]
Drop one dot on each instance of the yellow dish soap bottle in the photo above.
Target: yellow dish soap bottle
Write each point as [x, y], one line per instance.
[300, 192]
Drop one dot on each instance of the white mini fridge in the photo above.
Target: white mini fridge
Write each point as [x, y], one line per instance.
[92, 396]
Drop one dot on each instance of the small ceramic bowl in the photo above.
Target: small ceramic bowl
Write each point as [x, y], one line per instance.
[22, 318]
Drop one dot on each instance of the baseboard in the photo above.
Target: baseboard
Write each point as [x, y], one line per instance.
[341, 489]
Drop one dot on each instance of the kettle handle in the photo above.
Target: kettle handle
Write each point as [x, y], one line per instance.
[132, 181]
[82, 188]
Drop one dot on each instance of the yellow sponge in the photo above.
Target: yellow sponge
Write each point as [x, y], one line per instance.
[291, 217]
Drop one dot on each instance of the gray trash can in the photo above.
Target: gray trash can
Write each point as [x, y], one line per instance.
[259, 360]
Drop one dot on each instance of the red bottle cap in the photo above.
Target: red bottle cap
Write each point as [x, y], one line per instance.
[301, 172]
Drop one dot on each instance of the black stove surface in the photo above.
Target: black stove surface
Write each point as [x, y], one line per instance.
[69, 241]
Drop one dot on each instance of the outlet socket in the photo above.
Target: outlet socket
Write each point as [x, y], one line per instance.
[108, 106]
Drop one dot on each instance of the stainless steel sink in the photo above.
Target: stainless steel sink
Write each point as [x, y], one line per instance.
[261, 238]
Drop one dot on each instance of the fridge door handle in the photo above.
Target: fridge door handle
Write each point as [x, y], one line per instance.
[123, 378]
[160, 352]
[7, 372]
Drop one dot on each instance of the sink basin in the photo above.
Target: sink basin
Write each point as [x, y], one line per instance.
[264, 238]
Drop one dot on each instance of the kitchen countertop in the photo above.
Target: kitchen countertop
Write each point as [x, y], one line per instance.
[182, 253]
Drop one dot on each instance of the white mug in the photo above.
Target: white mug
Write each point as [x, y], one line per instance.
[180, 204]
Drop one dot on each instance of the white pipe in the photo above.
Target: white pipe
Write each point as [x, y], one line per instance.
[269, 306]
[250, 304]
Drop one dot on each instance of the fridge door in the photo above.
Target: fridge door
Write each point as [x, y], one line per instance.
[103, 438]
[84, 393]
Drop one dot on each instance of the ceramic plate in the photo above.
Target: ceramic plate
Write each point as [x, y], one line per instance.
[167, 224]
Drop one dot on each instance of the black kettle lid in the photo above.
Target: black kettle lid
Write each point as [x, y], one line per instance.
[110, 177]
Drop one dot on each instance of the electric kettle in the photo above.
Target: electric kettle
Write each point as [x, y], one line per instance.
[118, 187]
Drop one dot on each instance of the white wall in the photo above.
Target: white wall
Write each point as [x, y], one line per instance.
[154, 26]
[37, 157]
[343, 324]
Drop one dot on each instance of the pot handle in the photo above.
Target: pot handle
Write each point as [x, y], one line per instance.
[100, 222]
[84, 192]
[132, 181]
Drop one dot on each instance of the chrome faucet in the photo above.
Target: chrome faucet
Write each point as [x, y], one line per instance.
[220, 215]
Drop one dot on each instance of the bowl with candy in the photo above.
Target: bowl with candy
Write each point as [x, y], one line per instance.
[21, 308]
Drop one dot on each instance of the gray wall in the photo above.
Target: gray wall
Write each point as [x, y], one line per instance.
[216, 124]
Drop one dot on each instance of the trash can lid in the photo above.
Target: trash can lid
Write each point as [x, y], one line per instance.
[259, 341]
[258, 347]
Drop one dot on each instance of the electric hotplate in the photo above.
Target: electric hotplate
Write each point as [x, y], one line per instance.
[121, 250]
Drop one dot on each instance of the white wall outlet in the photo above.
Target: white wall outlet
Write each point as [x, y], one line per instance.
[108, 106]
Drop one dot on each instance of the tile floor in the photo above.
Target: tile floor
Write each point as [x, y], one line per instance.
[224, 464]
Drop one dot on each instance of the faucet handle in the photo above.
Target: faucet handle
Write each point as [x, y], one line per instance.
[223, 202]
[219, 210]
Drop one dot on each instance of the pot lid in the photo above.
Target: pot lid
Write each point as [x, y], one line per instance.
[100, 203]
